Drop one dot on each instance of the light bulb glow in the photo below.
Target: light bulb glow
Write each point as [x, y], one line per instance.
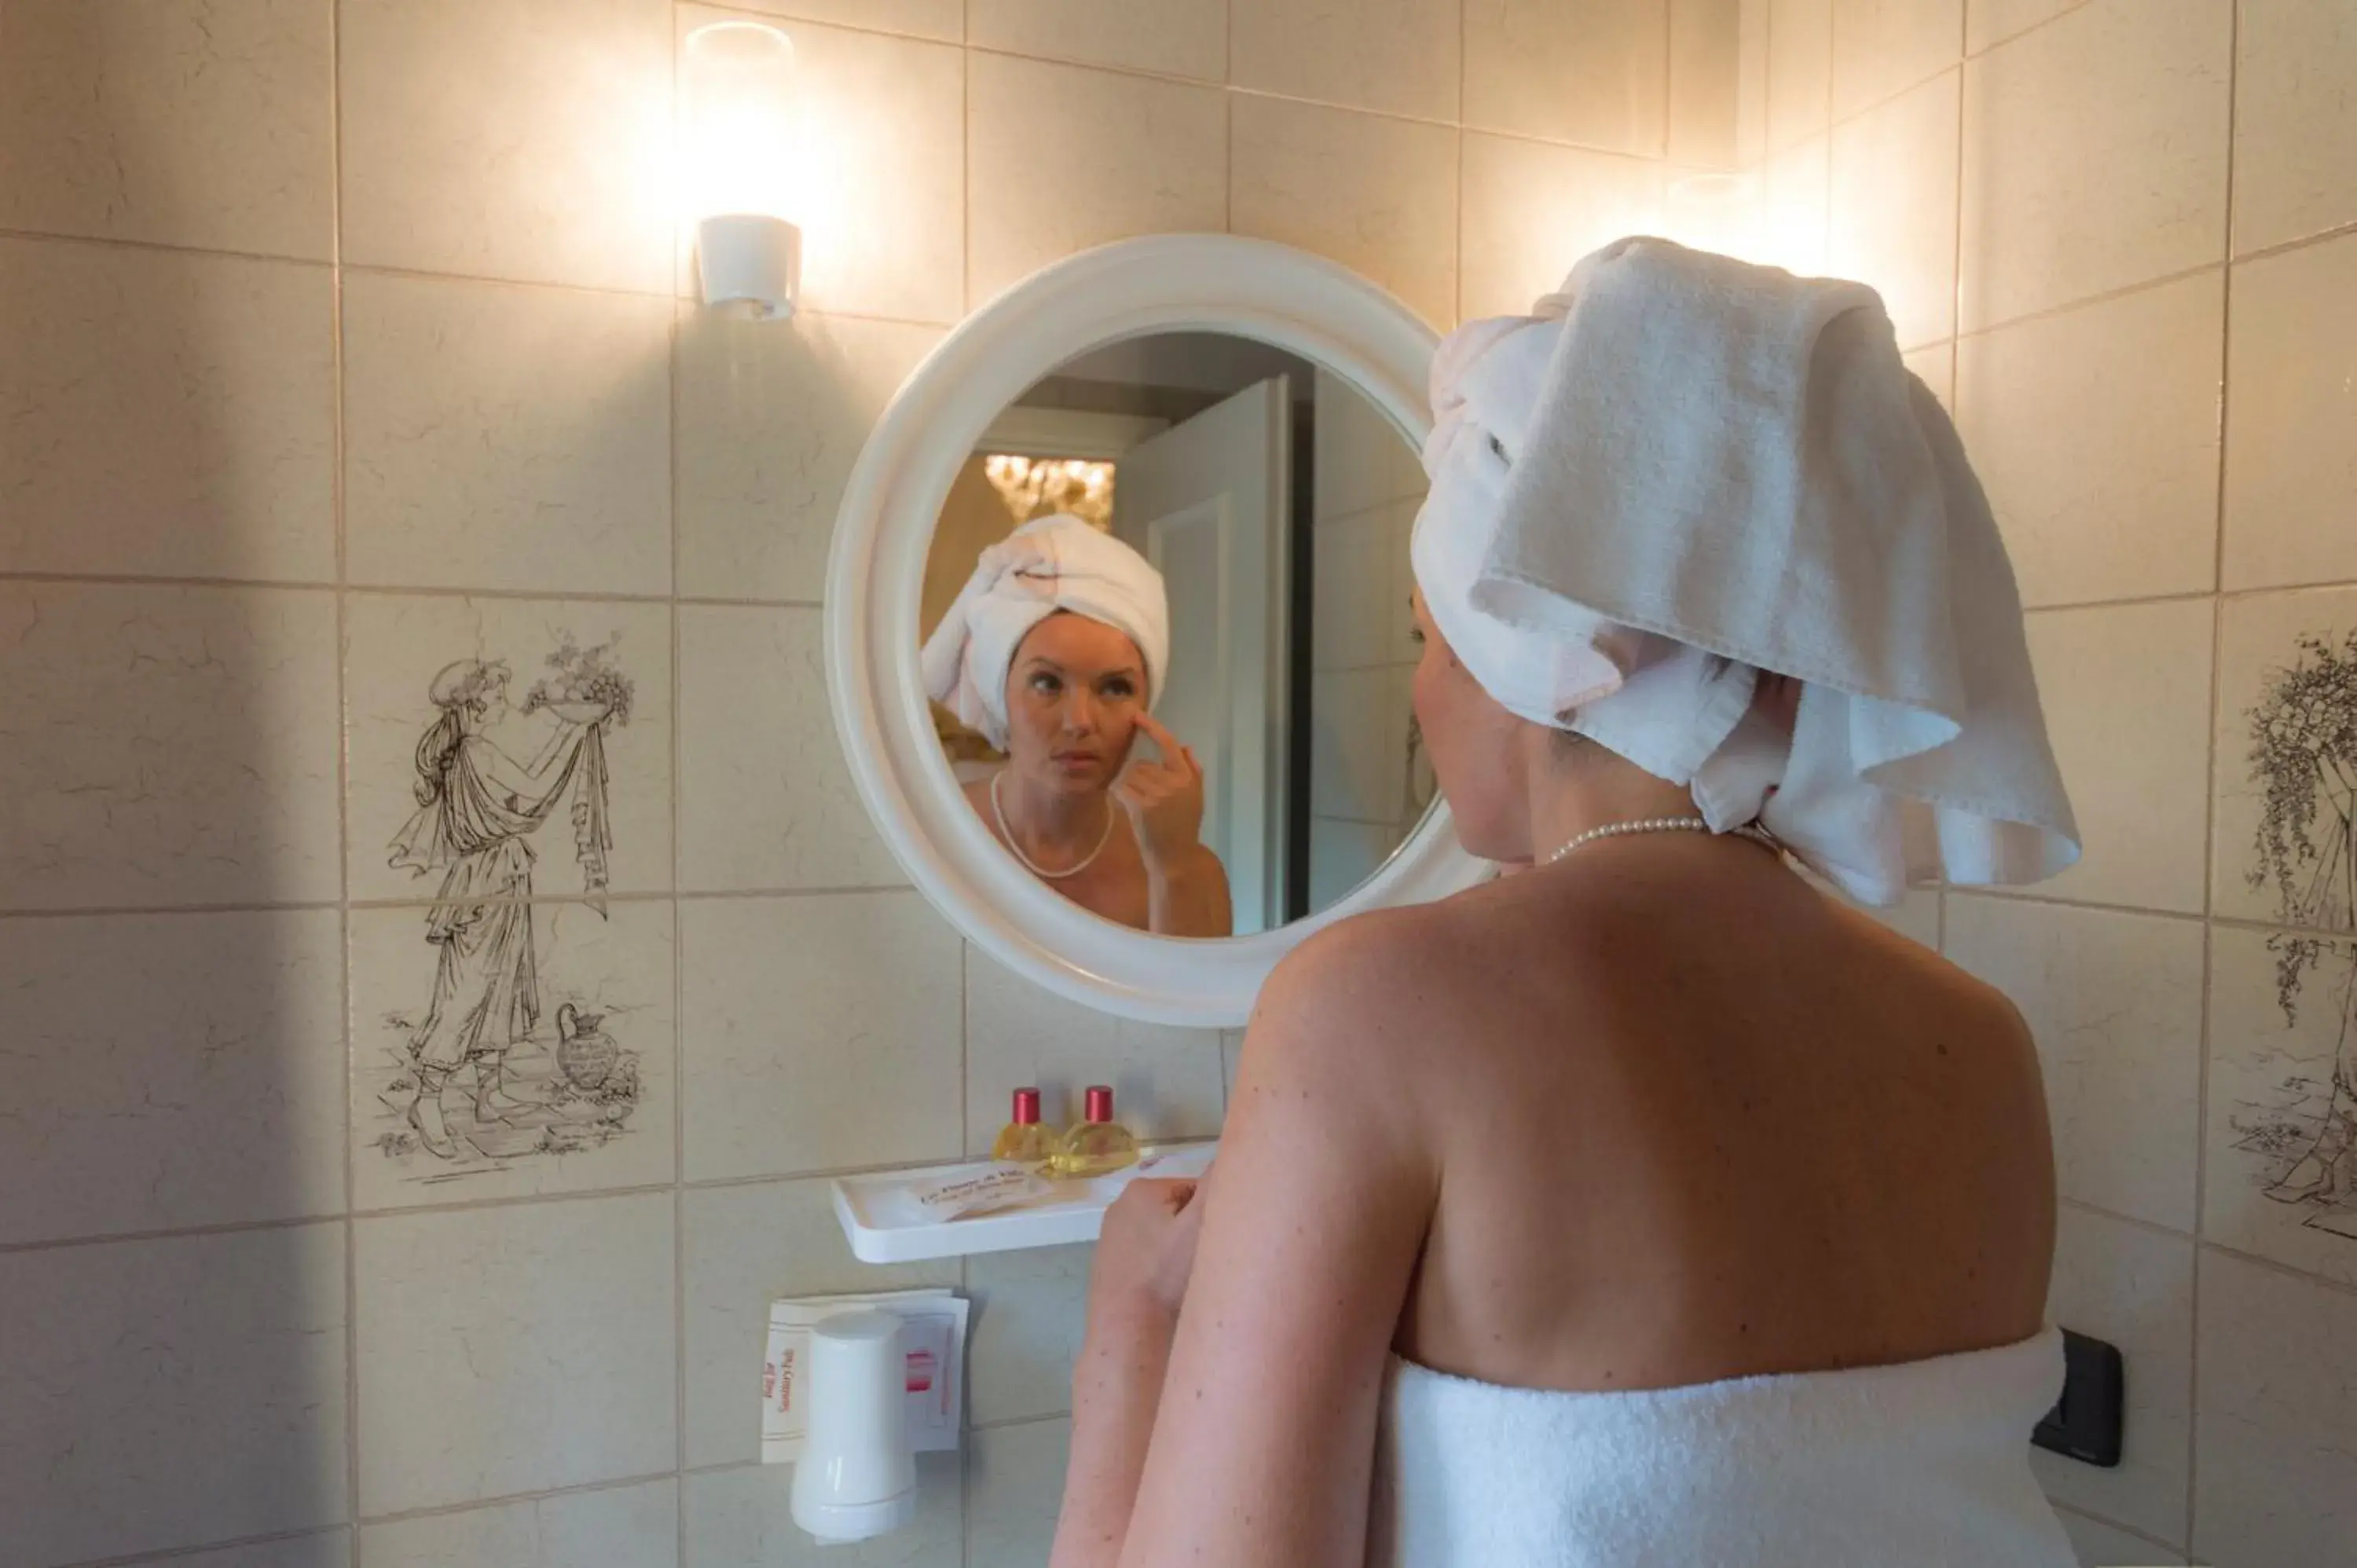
[1037, 487]
[1717, 212]
[740, 151]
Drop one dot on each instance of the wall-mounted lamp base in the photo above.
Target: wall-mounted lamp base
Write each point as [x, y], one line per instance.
[749, 258]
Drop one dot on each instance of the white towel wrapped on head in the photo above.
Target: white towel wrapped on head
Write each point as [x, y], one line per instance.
[1050, 564]
[1684, 471]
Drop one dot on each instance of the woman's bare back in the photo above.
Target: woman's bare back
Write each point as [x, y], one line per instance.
[1697, 1121]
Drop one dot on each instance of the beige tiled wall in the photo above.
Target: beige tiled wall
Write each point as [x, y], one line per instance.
[343, 339]
[2127, 229]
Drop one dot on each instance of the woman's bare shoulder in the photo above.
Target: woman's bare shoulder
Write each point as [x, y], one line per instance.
[1393, 976]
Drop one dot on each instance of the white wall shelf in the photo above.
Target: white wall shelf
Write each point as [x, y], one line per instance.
[881, 1221]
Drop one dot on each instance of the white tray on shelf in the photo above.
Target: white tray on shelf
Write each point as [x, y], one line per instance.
[883, 1225]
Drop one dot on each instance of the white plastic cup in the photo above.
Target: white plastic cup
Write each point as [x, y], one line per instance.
[857, 1477]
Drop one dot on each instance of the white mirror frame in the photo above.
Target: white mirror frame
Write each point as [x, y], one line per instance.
[1172, 282]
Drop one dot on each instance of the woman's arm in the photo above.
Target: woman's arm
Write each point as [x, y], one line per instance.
[1186, 885]
[1190, 899]
[1142, 1262]
[1262, 1421]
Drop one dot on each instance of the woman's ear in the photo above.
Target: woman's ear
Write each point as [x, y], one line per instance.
[1778, 699]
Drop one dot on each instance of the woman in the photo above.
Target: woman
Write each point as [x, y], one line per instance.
[1647, 1206]
[475, 807]
[1055, 650]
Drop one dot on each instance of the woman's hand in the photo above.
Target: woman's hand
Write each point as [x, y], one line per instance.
[1164, 799]
[1146, 1252]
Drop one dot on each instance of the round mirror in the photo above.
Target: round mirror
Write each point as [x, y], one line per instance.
[1119, 637]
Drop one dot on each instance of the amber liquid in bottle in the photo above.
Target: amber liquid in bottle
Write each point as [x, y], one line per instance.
[1026, 1140]
[1097, 1145]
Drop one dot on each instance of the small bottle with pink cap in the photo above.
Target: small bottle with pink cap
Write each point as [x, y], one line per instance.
[1096, 1145]
[1026, 1140]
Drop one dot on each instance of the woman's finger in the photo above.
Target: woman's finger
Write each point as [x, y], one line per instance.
[1169, 1194]
[1161, 737]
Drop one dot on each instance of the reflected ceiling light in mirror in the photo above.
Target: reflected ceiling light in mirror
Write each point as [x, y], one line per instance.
[741, 167]
[1037, 487]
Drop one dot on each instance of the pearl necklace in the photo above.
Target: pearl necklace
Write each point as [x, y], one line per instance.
[1034, 867]
[1751, 831]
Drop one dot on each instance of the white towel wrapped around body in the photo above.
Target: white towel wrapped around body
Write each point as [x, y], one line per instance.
[1683, 471]
[1921, 1464]
[1050, 564]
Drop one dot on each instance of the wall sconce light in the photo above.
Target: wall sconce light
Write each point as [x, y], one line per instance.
[742, 174]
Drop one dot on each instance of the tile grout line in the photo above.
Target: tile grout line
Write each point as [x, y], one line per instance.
[2284, 247]
[1669, 79]
[1456, 301]
[1991, 894]
[2069, 606]
[2345, 937]
[341, 523]
[405, 590]
[704, 601]
[2101, 296]
[485, 1505]
[2209, 803]
[1956, 258]
[420, 274]
[183, 1554]
[1826, 119]
[966, 159]
[715, 1183]
[509, 1500]
[2037, 27]
[678, 934]
[2119, 1217]
[214, 253]
[1955, 321]
[1865, 111]
[2144, 1535]
[516, 1200]
[180, 1233]
[1337, 105]
[550, 901]
[709, 601]
[688, 896]
[1228, 143]
[477, 1205]
[158, 911]
[2320, 1282]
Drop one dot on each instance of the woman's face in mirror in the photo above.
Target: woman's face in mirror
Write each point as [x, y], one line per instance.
[1238, 516]
[1074, 695]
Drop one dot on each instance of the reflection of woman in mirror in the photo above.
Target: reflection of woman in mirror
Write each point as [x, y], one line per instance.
[1055, 652]
[477, 807]
[1647, 1206]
